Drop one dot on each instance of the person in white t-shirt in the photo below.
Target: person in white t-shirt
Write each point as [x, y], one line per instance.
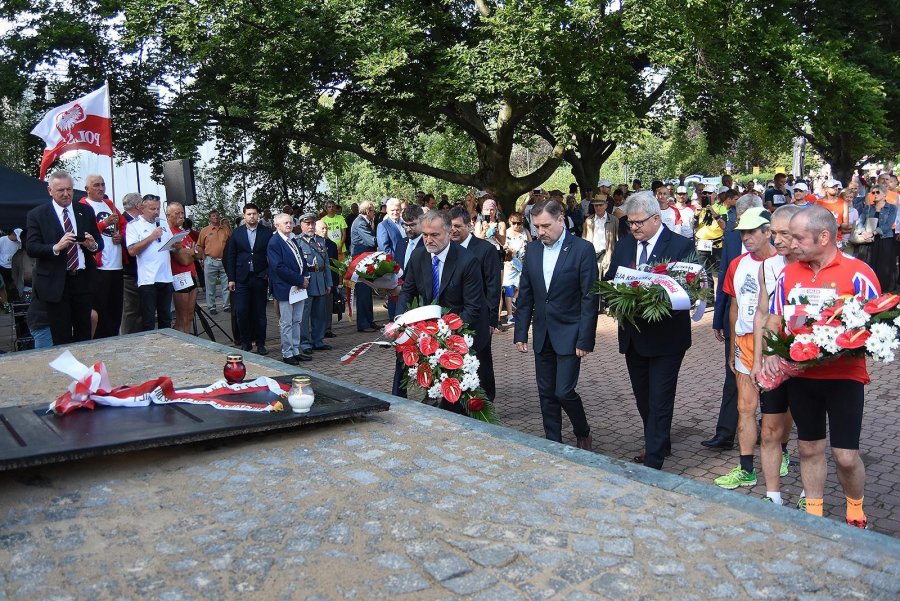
[107, 286]
[144, 238]
[686, 211]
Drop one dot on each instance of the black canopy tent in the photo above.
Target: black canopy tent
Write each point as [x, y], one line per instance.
[19, 193]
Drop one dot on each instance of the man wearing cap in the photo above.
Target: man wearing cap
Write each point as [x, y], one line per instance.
[742, 284]
[604, 186]
[839, 209]
[9, 246]
[686, 211]
[801, 190]
[316, 312]
[776, 195]
[601, 229]
[246, 264]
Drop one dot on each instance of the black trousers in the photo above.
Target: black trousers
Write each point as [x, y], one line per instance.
[654, 380]
[486, 372]
[398, 389]
[726, 427]
[108, 298]
[156, 305]
[70, 318]
[557, 376]
[249, 304]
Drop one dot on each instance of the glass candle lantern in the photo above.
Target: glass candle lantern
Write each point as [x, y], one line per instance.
[235, 370]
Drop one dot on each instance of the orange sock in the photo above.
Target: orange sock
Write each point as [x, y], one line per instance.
[815, 506]
[855, 510]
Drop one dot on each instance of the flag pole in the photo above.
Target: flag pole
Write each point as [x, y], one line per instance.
[112, 167]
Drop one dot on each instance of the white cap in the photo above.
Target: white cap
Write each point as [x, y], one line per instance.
[801, 186]
[604, 183]
[723, 189]
[709, 188]
[481, 194]
[18, 233]
[833, 182]
[681, 190]
[759, 188]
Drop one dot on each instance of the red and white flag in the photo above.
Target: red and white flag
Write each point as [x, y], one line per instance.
[83, 124]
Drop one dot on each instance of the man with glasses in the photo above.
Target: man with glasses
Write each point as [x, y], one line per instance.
[412, 225]
[362, 239]
[686, 211]
[839, 209]
[653, 350]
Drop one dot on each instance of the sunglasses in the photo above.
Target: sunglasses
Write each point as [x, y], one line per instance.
[515, 223]
[877, 192]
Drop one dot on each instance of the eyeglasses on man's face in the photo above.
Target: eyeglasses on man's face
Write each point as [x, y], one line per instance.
[639, 222]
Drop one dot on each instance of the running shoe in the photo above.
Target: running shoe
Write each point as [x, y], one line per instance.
[863, 523]
[785, 463]
[801, 504]
[768, 500]
[736, 477]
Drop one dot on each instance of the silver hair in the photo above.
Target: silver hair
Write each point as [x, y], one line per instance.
[280, 217]
[171, 204]
[881, 187]
[132, 200]
[819, 219]
[786, 211]
[641, 201]
[747, 201]
[366, 206]
[434, 215]
[92, 177]
[59, 175]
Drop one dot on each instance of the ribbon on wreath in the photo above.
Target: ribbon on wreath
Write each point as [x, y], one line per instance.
[91, 386]
[398, 330]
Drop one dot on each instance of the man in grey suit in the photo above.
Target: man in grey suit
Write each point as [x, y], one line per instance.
[317, 311]
[362, 239]
[556, 298]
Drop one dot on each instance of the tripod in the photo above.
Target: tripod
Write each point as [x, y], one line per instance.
[208, 323]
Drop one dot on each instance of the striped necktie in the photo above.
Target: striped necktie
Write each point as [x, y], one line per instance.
[72, 253]
[435, 278]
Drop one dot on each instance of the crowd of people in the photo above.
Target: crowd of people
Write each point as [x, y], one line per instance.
[100, 271]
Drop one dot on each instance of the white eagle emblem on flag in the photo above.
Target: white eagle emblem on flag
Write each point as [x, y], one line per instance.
[66, 120]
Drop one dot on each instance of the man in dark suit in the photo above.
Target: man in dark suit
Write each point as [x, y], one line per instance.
[333, 254]
[362, 239]
[458, 285]
[556, 298]
[412, 225]
[63, 237]
[389, 235]
[489, 260]
[653, 350]
[732, 247]
[289, 277]
[247, 266]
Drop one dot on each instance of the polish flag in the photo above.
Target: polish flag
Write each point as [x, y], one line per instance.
[83, 124]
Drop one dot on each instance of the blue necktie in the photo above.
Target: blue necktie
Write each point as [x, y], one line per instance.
[643, 259]
[435, 278]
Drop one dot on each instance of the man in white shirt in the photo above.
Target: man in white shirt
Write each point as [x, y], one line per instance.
[144, 239]
[684, 208]
[9, 246]
[107, 287]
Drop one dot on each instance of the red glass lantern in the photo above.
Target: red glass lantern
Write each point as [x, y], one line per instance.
[235, 370]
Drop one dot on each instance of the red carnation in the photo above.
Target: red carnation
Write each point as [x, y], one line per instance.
[451, 360]
[453, 321]
[424, 376]
[428, 345]
[370, 269]
[853, 339]
[457, 344]
[691, 277]
[476, 404]
[388, 257]
[634, 284]
[804, 351]
[451, 390]
[882, 303]
[661, 269]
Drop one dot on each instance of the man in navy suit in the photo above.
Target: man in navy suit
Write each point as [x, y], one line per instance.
[389, 236]
[412, 225]
[653, 350]
[362, 239]
[732, 247]
[63, 237]
[458, 284]
[247, 265]
[288, 273]
[489, 260]
[557, 300]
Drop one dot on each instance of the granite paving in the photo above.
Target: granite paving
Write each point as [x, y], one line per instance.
[412, 503]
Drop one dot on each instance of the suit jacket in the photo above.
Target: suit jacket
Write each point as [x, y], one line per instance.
[241, 261]
[316, 257]
[389, 236]
[400, 255]
[362, 238]
[461, 289]
[332, 249]
[566, 313]
[732, 248]
[611, 234]
[284, 271]
[489, 260]
[669, 336]
[44, 230]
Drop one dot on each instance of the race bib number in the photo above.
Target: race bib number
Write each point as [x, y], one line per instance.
[180, 281]
[705, 245]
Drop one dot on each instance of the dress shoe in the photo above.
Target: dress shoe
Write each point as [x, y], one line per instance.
[213, 312]
[291, 360]
[226, 309]
[247, 347]
[367, 330]
[640, 458]
[302, 357]
[718, 442]
[261, 349]
[330, 335]
[585, 443]
[322, 347]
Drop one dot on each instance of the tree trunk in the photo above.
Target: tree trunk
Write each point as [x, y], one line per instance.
[592, 152]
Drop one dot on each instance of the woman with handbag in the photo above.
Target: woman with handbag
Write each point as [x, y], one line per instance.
[875, 245]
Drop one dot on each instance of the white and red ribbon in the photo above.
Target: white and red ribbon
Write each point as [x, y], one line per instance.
[91, 385]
